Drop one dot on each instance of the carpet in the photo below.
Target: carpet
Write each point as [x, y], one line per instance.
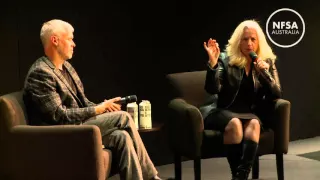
[312, 155]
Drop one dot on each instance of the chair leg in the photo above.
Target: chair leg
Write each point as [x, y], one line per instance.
[280, 172]
[255, 168]
[197, 168]
[177, 167]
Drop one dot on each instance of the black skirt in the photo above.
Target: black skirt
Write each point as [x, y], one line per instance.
[219, 119]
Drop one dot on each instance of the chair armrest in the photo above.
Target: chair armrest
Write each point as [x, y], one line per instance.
[56, 152]
[185, 126]
[282, 125]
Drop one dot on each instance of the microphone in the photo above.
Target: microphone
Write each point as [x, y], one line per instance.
[254, 58]
[127, 99]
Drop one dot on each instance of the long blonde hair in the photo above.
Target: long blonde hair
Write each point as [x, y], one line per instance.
[233, 47]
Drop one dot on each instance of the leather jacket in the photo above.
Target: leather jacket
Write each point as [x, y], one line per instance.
[223, 83]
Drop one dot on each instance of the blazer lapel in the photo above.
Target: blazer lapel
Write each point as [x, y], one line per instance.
[61, 77]
[76, 80]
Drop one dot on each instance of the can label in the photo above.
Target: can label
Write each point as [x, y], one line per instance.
[145, 114]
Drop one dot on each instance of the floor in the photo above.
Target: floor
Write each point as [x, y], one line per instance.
[295, 167]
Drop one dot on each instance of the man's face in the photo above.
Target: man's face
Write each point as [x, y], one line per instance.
[65, 45]
[249, 41]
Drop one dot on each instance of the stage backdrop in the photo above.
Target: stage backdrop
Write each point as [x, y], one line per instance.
[125, 48]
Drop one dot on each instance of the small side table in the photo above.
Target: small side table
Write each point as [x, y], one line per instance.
[155, 127]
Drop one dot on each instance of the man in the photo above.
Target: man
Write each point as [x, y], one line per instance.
[54, 94]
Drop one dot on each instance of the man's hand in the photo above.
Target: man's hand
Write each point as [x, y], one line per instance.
[108, 106]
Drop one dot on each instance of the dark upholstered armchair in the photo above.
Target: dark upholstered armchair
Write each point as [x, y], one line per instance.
[61, 152]
[189, 139]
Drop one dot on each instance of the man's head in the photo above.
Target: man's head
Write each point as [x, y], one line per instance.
[57, 37]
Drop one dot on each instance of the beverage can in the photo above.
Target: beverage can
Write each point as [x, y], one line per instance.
[132, 109]
[145, 114]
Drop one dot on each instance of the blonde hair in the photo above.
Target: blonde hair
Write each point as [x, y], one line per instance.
[233, 47]
[54, 27]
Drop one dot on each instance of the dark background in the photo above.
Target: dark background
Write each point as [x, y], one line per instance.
[126, 48]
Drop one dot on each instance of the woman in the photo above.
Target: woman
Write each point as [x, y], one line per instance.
[242, 83]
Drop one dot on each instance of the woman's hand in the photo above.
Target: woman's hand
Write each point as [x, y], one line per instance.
[213, 50]
[261, 64]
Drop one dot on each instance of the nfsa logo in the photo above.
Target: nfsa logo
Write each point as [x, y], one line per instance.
[285, 27]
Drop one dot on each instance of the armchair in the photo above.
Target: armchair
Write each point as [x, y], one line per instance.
[61, 152]
[189, 139]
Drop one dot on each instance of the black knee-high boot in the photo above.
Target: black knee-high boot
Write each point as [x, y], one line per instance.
[249, 152]
[234, 152]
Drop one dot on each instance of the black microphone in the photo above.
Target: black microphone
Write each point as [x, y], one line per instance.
[127, 99]
[254, 58]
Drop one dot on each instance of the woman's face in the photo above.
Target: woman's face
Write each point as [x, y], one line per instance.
[249, 41]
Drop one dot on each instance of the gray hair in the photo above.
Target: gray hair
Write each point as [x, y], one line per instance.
[54, 27]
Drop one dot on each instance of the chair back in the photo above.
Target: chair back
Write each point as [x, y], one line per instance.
[12, 112]
[189, 86]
